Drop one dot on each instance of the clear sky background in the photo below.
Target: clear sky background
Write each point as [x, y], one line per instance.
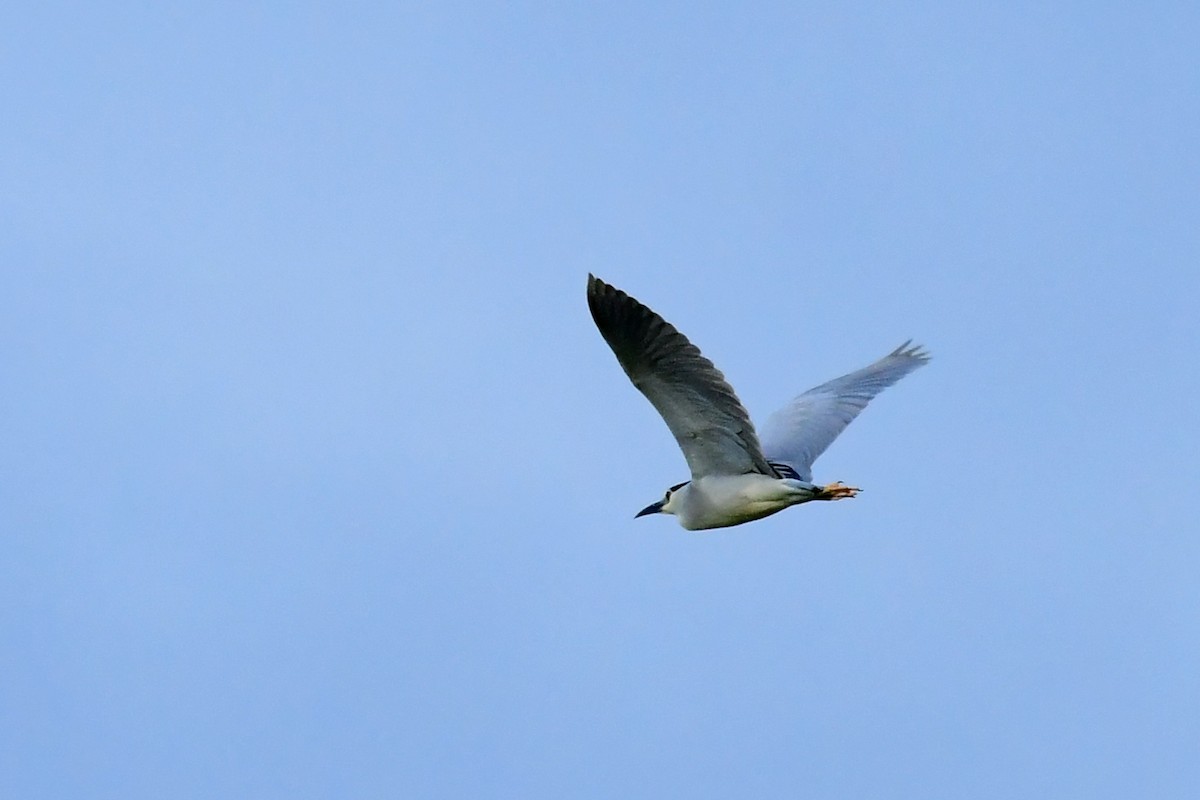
[316, 479]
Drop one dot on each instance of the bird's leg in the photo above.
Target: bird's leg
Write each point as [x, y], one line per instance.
[835, 491]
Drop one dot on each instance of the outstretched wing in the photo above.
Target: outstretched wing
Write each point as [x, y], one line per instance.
[800, 431]
[707, 419]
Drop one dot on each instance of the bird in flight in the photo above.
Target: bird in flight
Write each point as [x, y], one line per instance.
[735, 479]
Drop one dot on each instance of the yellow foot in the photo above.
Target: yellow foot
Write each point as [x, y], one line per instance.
[836, 491]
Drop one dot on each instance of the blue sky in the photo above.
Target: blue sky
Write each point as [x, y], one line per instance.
[317, 480]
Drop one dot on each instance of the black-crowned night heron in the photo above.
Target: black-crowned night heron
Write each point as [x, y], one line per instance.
[734, 478]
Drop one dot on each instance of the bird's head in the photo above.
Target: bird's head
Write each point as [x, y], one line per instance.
[667, 505]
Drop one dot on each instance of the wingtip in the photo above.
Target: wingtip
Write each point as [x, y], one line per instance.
[913, 351]
[595, 285]
[602, 295]
[602, 299]
[595, 288]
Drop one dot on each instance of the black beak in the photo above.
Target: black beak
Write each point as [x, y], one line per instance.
[653, 508]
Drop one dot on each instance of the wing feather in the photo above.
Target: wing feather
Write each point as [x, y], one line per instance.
[697, 403]
[800, 431]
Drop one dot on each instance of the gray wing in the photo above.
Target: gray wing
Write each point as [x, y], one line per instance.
[800, 431]
[698, 405]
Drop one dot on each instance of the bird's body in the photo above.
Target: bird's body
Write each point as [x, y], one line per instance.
[734, 478]
[719, 501]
